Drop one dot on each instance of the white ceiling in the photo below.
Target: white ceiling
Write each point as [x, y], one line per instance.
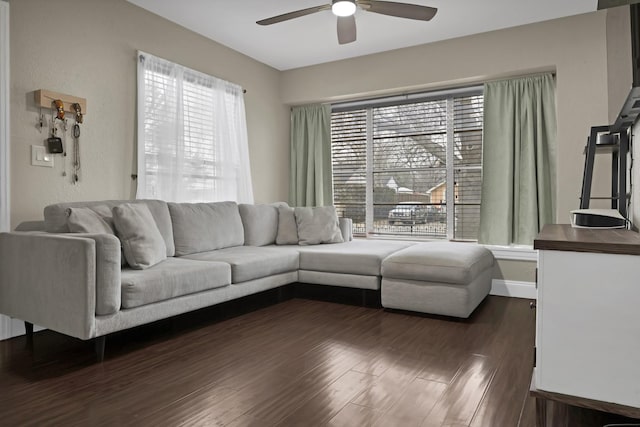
[312, 39]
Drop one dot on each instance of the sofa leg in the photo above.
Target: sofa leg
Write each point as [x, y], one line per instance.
[363, 293]
[100, 344]
[28, 328]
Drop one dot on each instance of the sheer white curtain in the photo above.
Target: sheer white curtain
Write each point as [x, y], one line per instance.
[4, 116]
[192, 135]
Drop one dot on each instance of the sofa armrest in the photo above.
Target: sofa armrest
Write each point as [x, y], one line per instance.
[346, 228]
[108, 272]
[49, 280]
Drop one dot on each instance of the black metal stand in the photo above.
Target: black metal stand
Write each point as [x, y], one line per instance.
[618, 145]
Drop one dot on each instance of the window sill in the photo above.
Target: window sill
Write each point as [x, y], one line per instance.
[511, 253]
[514, 252]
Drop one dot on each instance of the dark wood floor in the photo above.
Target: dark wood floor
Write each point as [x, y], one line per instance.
[296, 363]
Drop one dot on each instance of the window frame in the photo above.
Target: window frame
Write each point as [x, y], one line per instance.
[368, 105]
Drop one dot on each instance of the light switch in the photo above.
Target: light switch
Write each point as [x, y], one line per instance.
[40, 157]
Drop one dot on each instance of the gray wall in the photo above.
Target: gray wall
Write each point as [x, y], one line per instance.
[620, 79]
[619, 75]
[87, 48]
[520, 271]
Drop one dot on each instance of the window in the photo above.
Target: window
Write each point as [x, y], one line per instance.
[410, 167]
[192, 137]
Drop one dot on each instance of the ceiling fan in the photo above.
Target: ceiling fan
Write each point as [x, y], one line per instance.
[345, 9]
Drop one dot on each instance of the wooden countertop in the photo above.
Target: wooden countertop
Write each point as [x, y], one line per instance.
[563, 237]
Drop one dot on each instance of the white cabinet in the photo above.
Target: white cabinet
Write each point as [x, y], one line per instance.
[588, 314]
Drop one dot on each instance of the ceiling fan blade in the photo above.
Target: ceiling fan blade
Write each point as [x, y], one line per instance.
[401, 10]
[346, 29]
[291, 15]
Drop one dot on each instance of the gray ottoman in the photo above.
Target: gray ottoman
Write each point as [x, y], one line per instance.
[447, 278]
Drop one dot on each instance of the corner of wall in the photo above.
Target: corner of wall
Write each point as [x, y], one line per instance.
[619, 75]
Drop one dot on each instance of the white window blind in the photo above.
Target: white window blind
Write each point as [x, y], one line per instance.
[467, 165]
[395, 162]
[349, 163]
[192, 136]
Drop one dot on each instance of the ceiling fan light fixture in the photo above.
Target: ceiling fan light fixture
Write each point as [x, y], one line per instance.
[343, 7]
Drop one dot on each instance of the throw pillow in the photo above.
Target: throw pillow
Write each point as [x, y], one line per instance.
[142, 242]
[87, 220]
[318, 225]
[260, 224]
[287, 227]
[94, 220]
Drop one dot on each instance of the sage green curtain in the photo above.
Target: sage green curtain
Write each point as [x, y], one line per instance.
[519, 159]
[310, 180]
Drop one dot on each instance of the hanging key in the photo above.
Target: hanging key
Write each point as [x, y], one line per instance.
[76, 153]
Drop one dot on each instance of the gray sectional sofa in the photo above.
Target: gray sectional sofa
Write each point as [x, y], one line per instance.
[75, 283]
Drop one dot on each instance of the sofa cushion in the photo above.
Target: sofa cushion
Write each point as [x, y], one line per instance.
[446, 262]
[260, 224]
[201, 227]
[172, 278]
[287, 227]
[55, 216]
[355, 257]
[253, 262]
[141, 240]
[318, 225]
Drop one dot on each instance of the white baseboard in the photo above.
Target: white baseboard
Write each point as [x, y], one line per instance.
[514, 289]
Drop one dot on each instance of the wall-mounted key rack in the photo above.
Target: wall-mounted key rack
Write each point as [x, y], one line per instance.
[44, 98]
[59, 104]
